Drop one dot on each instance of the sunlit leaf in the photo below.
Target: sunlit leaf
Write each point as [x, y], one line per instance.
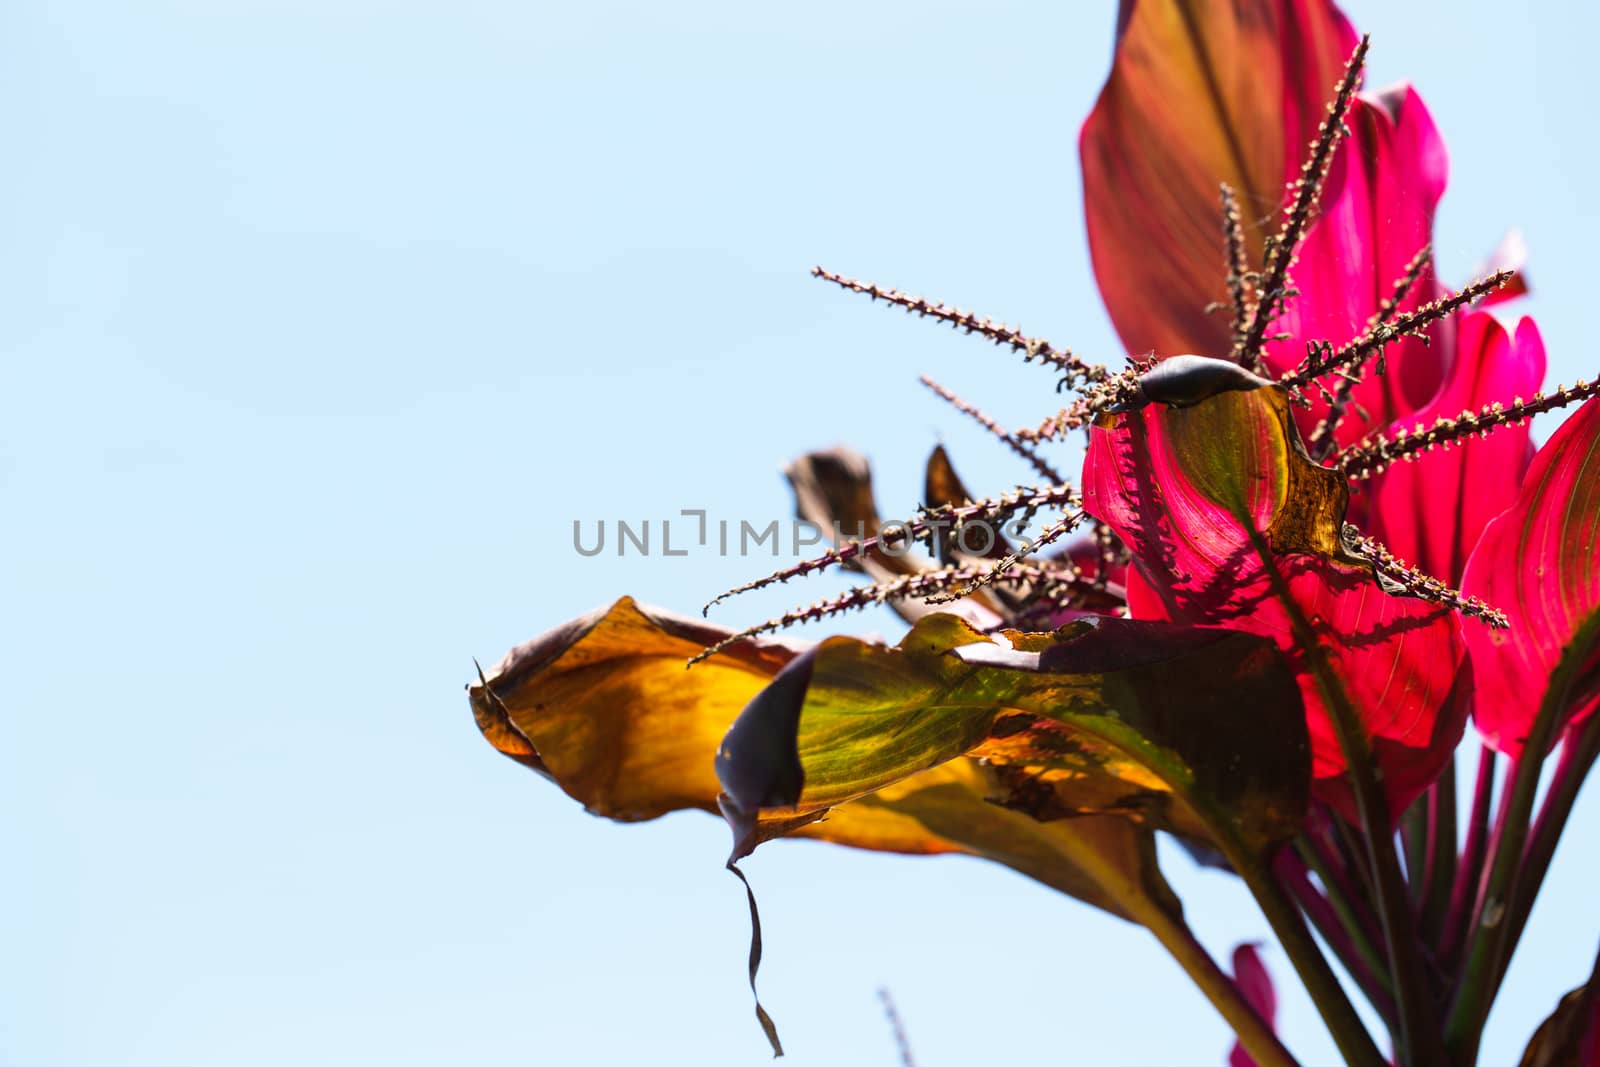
[1255, 983]
[604, 707]
[1431, 510]
[1540, 563]
[1185, 488]
[1199, 93]
[1196, 731]
[1103, 860]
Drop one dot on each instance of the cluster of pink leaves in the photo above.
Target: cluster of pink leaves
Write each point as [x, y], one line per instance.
[1488, 515]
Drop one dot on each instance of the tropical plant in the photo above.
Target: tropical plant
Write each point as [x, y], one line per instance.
[1311, 540]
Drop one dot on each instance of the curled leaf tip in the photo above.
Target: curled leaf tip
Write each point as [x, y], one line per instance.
[768, 1027]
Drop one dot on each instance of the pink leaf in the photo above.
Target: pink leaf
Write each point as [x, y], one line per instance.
[1430, 511]
[1377, 214]
[1198, 94]
[1539, 562]
[1250, 973]
[1183, 488]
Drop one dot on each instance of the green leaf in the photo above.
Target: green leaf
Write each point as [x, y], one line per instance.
[1197, 731]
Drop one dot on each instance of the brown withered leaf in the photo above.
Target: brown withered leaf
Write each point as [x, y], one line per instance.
[604, 707]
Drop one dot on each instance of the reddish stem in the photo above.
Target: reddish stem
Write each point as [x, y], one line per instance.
[1577, 756]
[1470, 869]
[1291, 873]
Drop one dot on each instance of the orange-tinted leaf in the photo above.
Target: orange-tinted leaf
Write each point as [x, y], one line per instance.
[1103, 860]
[604, 707]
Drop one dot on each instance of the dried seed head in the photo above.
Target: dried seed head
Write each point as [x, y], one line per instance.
[1240, 281]
[1032, 349]
[1399, 579]
[1378, 451]
[1410, 324]
[1323, 436]
[1280, 249]
[1008, 439]
[1053, 533]
[1026, 499]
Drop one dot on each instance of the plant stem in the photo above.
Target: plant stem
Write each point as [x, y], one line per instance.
[1417, 846]
[1418, 1040]
[1440, 869]
[1253, 1031]
[1470, 869]
[1331, 859]
[1145, 898]
[1578, 753]
[1349, 843]
[1355, 1044]
[1354, 919]
[1485, 955]
[1360, 959]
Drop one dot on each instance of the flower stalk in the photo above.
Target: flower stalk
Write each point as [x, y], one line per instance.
[1418, 1038]
[1488, 938]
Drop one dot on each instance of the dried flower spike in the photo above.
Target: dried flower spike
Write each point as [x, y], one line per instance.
[1053, 533]
[1375, 453]
[901, 535]
[1240, 287]
[902, 588]
[1383, 333]
[1398, 578]
[1005, 436]
[1063, 359]
[1281, 248]
[1323, 437]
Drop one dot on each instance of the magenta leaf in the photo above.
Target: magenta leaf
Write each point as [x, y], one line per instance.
[1430, 511]
[1377, 214]
[1198, 94]
[1185, 488]
[1539, 562]
[1250, 974]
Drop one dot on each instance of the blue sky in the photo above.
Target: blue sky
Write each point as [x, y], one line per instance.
[322, 322]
